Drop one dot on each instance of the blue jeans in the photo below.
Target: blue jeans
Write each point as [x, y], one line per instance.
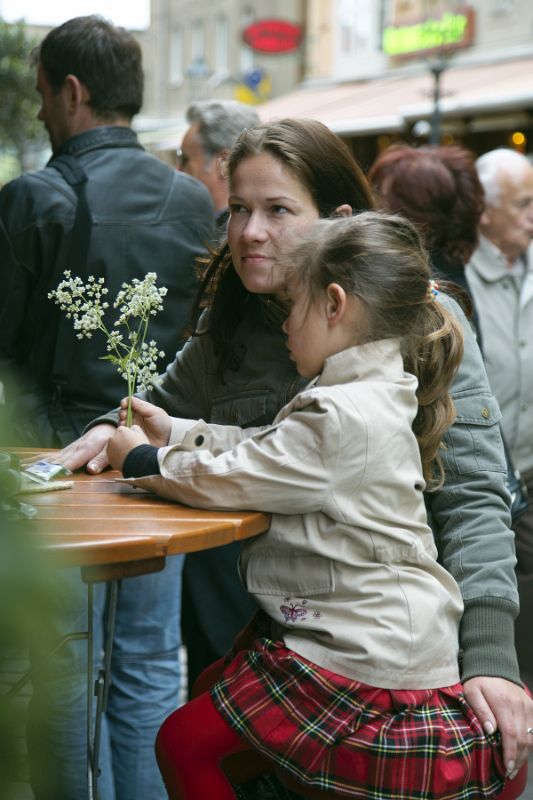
[145, 676]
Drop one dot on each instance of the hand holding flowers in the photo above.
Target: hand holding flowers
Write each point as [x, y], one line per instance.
[151, 425]
[154, 421]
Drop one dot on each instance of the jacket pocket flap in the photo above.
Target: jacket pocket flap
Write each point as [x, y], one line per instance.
[294, 575]
[477, 409]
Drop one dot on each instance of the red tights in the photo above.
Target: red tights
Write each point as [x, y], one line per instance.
[191, 745]
[193, 742]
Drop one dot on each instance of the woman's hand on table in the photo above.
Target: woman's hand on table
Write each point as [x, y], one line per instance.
[502, 705]
[155, 422]
[89, 450]
[123, 441]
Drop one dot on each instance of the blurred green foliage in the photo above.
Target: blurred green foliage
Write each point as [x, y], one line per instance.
[19, 127]
[26, 602]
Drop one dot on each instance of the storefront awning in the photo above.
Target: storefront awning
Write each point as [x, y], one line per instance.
[390, 104]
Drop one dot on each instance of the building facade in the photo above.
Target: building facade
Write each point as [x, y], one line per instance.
[194, 49]
[377, 71]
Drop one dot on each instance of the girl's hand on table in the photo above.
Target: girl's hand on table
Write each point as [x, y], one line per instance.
[123, 442]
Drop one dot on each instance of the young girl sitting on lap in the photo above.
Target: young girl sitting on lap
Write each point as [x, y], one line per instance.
[347, 680]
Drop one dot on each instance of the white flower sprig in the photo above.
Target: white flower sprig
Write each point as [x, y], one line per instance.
[135, 359]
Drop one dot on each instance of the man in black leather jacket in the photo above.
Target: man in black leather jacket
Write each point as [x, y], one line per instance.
[102, 207]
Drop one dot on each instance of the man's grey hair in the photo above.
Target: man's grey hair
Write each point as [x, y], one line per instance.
[220, 122]
[492, 165]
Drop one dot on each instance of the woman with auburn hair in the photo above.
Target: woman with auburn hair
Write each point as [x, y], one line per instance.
[437, 188]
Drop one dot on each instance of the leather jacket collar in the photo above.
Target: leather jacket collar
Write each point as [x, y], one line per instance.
[103, 136]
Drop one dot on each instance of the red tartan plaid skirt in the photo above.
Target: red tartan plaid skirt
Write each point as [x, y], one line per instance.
[333, 733]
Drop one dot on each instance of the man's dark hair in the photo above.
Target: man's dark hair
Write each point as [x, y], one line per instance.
[105, 58]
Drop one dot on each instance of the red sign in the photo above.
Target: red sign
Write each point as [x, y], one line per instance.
[273, 36]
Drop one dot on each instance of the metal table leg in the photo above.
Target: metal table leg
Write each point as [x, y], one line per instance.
[110, 574]
[91, 766]
[101, 688]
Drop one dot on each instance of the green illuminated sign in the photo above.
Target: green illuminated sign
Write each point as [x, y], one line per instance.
[450, 29]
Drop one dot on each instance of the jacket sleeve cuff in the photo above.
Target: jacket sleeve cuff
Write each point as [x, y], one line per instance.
[141, 461]
[486, 638]
[110, 418]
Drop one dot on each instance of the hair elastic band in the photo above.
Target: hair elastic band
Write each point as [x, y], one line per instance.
[433, 289]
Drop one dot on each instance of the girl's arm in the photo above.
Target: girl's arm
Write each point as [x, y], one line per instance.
[284, 468]
[152, 426]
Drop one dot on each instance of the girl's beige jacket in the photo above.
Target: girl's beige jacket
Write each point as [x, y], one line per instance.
[348, 570]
